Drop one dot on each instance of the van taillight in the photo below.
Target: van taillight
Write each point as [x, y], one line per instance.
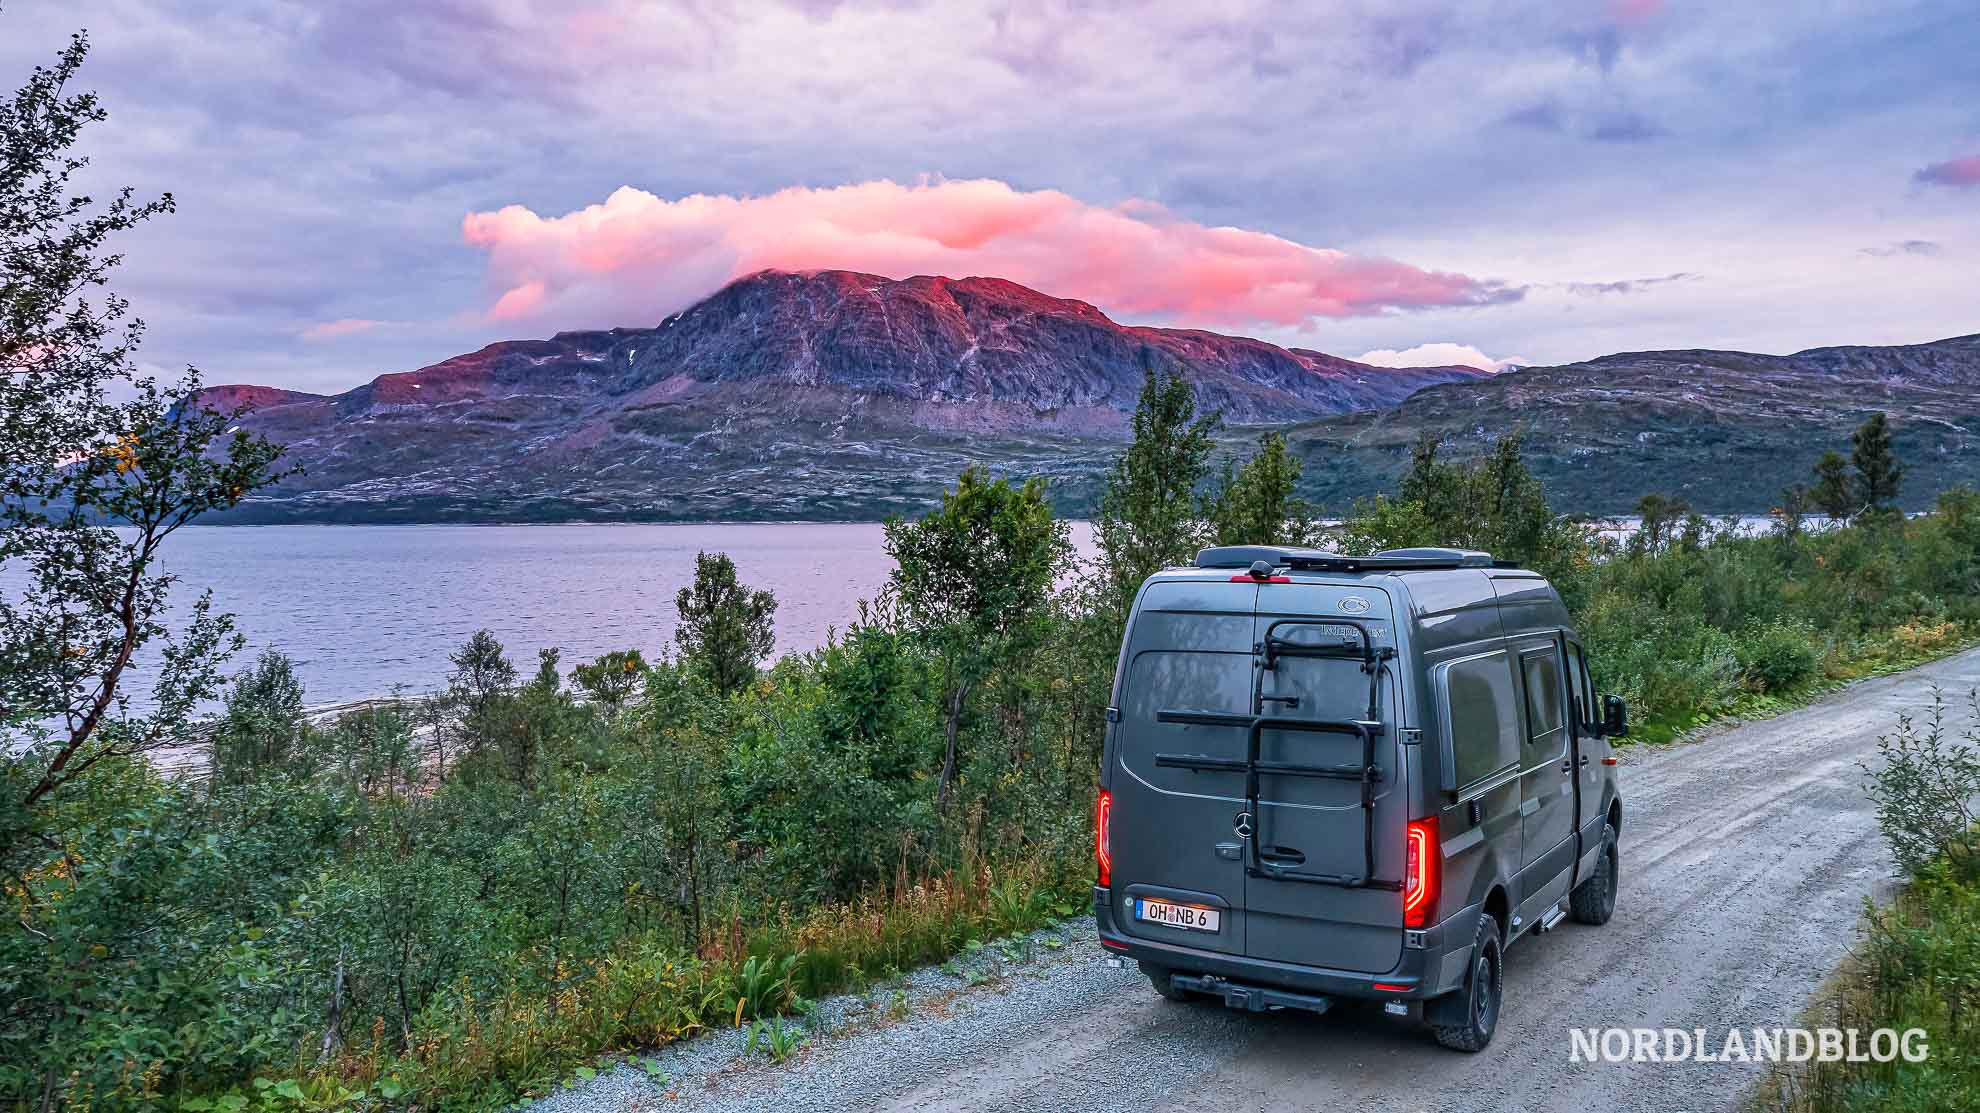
[1420, 854]
[1103, 843]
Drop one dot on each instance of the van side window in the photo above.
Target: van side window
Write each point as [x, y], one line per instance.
[1483, 716]
[1582, 691]
[1543, 698]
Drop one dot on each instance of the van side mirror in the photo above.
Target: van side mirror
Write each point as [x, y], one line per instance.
[1615, 717]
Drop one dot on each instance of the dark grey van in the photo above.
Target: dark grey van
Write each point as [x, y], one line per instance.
[1332, 776]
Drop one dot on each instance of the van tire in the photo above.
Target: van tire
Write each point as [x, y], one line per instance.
[1594, 900]
[1478, 1002]
[1158, 976]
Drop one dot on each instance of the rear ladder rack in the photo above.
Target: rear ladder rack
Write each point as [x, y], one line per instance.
[1269, 651]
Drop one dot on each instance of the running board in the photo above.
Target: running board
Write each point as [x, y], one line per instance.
[1555, 916]
[1249, 998]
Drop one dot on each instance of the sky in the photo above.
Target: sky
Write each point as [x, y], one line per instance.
[375, 185]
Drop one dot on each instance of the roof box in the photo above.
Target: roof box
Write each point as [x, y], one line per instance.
[1320, 560]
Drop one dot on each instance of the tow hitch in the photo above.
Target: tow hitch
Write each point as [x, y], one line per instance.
[1250, 998]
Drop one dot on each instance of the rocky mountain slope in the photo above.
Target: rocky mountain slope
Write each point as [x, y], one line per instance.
[1725, 430]
[827, 394]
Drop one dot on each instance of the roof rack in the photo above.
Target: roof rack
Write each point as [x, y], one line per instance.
[1320, 560]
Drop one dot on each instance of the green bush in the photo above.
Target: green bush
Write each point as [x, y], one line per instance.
[1925, 784]
[1779, 656]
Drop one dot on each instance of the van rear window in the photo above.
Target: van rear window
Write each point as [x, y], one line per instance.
[1482, 716]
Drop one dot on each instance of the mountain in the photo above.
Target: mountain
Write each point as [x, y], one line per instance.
[1727, 431]
[241, 397]
[826, 394]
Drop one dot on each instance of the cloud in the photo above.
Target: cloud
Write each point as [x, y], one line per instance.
[1626, 127]
[637, 256]
[343, 326]
[1636, 11]
[1628, 285]
[1904, 247]
[1441, 354]
[1959, 173]
[1610, 125]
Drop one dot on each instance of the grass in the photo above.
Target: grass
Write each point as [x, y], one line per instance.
[1919, 968]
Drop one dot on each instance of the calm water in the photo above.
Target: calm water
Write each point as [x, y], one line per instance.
[366, 609]
[363, 609]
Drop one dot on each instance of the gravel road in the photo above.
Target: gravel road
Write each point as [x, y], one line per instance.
[1746, 858]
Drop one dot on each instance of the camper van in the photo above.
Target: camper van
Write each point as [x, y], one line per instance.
[1330, 777]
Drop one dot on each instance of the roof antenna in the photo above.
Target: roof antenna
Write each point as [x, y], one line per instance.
[1261, 569]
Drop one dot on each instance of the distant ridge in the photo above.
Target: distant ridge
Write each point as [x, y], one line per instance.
[1727, 431]
[817, 394]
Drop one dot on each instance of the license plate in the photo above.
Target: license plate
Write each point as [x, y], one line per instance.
[1185, 916]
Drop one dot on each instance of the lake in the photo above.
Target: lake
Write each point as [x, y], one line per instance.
[365, 609]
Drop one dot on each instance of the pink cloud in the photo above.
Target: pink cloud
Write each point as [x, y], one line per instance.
[1636, 11]
[636, 257]
[331, 330]
[1960, 173]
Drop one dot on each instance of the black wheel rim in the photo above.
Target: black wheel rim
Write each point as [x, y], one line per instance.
[1481, 994]
[1609, 890]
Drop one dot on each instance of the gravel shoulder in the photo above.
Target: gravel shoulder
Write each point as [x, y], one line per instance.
[1746, 860]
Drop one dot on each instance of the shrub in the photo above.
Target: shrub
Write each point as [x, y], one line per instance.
[1925, 786]
[1779, 656]
[262, 729]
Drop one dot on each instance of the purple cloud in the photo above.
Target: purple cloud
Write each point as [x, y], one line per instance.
[1904, 247]
[1627, 285]
[1958, 173]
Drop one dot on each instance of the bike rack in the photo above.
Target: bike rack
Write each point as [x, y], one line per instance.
[1269, 652]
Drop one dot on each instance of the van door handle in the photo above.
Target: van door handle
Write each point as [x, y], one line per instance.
[1567, 766]
[1282, 855]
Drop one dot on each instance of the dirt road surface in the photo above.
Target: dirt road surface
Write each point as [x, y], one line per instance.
[1746, 861]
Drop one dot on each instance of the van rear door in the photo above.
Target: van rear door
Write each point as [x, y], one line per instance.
[1173, 826]
[1318, 826]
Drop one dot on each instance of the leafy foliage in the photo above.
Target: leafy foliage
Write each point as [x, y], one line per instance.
[725, 627]
[74, 462]
[613, 678]
[1833, 493]
[972, 578]
[1493, 504]
[1147, 519]
[1255, 503]
[262, 729]
[1925, 784]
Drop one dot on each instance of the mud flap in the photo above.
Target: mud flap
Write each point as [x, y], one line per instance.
[1450, 1010]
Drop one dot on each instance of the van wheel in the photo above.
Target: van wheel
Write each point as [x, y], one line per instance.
[1480, 995]
[1158, 976]
[1594, 900]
